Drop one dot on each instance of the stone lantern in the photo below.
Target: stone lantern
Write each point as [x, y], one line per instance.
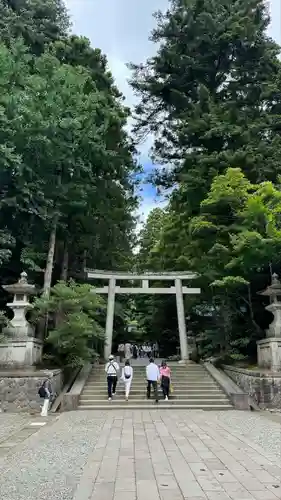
[269, 349]
[22, 290]
[20, 348]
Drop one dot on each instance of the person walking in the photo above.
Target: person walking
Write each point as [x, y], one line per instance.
[128, 350]
[156, 350]
[111, 369]
[135, 352]
[121, 352]
[127, 377]
[46, 392]
[152, 376]
[165, 375]
[146, 349]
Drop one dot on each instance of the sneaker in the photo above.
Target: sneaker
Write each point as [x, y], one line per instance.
[109, 399]
[166, 398]
[113, 394]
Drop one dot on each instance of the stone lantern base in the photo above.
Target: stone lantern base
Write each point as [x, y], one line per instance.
[269, 353]
[20, 353]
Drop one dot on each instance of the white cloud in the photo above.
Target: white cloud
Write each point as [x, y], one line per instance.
[121, 29]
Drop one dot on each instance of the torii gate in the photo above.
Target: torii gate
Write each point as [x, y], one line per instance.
[112, 289]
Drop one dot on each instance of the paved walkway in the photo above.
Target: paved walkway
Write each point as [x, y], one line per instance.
[141, 455]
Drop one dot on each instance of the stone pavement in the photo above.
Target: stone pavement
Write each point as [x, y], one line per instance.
[146, 455]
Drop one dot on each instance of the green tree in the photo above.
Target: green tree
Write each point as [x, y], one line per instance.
[209, 93]
[149, 236]
[211, 97]
[37, 22]
[6, 244]
[232, 243]
[83, 231]
[155, 315]
[67, 167]
[77, 51]
[78, 335]
[78, 171]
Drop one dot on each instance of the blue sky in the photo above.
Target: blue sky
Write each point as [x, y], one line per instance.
[120, 28]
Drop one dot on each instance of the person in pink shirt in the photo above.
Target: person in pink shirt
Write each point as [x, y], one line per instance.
[165, 374]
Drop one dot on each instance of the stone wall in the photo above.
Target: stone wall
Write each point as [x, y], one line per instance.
[19, 389]
[263, 386]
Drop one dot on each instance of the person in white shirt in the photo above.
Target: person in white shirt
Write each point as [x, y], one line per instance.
[127, 377]
[152, 376]
[111, 369]
[128, 352]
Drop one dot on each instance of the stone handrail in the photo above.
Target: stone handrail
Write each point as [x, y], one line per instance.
[239, 398]
[70, 399]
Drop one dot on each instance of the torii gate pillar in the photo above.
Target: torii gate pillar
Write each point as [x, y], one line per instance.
[181, 320]
[109, 317]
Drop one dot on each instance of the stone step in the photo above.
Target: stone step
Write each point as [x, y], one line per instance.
[142, 394]
[141, 385]
[135, 390]
[142, 397]
[175, 380]
[194, 389]
[142, 373]
[165, 405]
[140, 369]
[174, 371]
[140, 402]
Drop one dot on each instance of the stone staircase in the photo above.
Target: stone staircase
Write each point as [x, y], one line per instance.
[193, 387]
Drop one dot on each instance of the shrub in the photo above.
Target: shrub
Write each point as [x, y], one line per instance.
[75, 313]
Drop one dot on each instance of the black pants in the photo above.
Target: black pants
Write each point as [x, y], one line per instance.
[165, 384]
[155, 389]
[111, 384]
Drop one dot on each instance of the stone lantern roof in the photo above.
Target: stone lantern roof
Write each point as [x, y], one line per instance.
[21, 286]
[274, 289]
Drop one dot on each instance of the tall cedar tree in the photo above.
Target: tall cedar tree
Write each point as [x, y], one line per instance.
[211, 97]
[82, 235]
[38, 22]
[208, 93]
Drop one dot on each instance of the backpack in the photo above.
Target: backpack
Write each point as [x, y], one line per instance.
[42, 390]
[127, 375]
[111, 363]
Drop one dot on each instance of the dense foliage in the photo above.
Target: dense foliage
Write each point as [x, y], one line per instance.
[67, 164]
[211, 96]
[76, 334]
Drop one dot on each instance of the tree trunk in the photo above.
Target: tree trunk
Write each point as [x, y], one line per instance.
[43, 324]
[84, 261]
[250, 303]
[50, 260]
[65, 260]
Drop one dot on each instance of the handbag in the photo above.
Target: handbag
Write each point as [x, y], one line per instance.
[127, 375]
